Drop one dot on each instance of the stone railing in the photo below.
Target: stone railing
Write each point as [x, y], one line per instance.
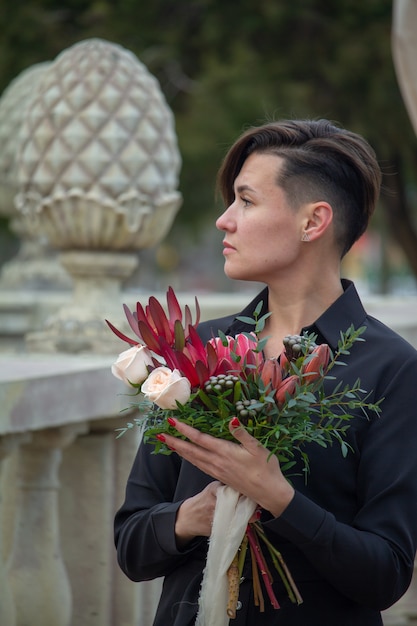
[60, 481]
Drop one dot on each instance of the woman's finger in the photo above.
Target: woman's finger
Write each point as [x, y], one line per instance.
[240, 433]
[194, 435]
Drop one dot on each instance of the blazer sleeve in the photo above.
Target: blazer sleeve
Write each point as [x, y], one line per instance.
[144, 526]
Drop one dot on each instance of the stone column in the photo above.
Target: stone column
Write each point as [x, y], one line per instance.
[404, 50]
[7, 608]
[79, 326]
[87, 516]
[37, 574]
[102, 595]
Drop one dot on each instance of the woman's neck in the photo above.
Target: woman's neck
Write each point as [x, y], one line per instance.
[294, 309]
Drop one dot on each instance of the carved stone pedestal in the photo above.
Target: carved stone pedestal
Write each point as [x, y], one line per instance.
[79, 326]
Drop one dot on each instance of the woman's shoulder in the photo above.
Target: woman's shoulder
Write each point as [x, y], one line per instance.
[387, 339]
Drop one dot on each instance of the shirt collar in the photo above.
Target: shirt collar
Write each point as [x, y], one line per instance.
[346, 311]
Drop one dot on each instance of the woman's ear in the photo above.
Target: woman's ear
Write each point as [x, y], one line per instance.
[317, 220]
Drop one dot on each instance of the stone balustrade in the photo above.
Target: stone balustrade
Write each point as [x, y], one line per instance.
[62, 476]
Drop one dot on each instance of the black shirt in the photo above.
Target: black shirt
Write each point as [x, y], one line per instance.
[349, 535]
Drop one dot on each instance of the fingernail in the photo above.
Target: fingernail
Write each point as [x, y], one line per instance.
[171, 448]
[161, 437]
[171, 421]
[235, 422]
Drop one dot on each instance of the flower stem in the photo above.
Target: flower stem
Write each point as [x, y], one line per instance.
[260, 560]
[242, 554]
[257, 591]
[281, 567]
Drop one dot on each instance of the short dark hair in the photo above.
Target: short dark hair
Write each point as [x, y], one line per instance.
[321, 162]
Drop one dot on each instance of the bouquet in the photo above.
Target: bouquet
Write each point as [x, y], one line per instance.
[281, 402]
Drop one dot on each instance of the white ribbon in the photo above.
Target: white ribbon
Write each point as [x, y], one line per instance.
[231, 516]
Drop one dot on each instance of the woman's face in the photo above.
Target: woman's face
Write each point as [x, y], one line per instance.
[262, 232]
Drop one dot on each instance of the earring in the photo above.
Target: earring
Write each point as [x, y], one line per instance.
[305, 237]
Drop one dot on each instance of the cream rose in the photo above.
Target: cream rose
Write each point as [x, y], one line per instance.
[164, 387]
[131, 365]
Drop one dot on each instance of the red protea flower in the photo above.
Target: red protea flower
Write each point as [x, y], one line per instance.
[235, 353]
[223, 354]
[152, 324]
[271, 373]
[192, 359]
[317, 362]
[284, 362]
[244, 347]
[287, 386]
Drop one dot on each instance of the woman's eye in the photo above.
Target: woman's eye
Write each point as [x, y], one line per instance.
[246, 202]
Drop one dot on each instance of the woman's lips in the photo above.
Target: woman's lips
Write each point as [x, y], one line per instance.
[227, 247]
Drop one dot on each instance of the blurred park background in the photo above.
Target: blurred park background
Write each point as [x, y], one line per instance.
[224, 66]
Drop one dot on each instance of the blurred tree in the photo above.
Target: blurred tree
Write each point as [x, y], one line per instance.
[224, 66]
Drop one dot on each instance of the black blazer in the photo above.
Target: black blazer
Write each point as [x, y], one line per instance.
[349, 536]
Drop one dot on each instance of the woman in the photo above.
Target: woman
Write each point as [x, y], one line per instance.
[298, 195]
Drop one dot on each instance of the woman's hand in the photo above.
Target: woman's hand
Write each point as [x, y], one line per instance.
[195, 515]
[249, 467]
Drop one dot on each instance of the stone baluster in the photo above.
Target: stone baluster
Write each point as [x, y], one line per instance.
[87, 537]
[37, 574]
[7, 608]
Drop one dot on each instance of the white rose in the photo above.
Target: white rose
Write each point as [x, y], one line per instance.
[131, 365]
[164, 387]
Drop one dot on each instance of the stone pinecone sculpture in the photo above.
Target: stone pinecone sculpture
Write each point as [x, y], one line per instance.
[98, 163]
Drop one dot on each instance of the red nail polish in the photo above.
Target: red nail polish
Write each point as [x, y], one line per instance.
[161, 437]
[235, 422]
[171, 421]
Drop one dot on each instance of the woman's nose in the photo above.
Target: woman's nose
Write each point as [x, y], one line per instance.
[224, 221]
